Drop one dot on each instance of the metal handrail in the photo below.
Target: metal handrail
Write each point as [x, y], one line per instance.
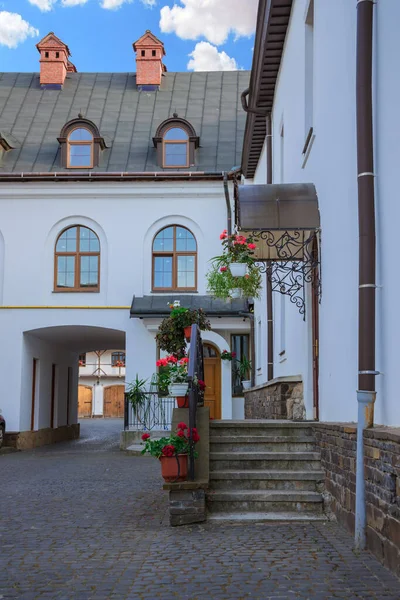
[154, 413]
[195, 372]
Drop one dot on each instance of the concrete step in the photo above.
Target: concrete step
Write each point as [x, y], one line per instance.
[265, 480]
[247, 443]
[262, 428]
[264, 501]
[264, 517]
[283, 461]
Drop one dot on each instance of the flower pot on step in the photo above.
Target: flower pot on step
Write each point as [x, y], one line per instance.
[174, 468]
[238, 269]
[188, 333]
[236, 293]
[182, 401]
[178, 389]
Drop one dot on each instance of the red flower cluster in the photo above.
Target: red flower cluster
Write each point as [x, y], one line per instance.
[202, 385]
[184, 361]
[170, 360]
[180, 433]
[195, 435]
[224, 235]
[182, 425]
[223, 269]
[145, 436]
[168, 450]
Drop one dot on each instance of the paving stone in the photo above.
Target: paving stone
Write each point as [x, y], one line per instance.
[83, 521]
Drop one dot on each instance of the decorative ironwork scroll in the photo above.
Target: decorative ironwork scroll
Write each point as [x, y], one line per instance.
[297, 263]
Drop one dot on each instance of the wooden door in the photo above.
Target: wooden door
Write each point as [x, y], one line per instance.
[212, 378]
[114, 401]
[84, 401]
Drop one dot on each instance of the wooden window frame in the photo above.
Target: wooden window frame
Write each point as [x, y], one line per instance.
[174, 254]
[77, 254]
[82, 360]
[166, 142]
[80, 143]
[115, 357]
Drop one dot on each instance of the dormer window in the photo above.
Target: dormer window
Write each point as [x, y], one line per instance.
[81, 144]
[176, 142]
[80, 149]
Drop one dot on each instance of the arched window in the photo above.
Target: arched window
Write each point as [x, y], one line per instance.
[176, 142]
[80, 149]
[77, 260]
[174, 259]
[176, 148]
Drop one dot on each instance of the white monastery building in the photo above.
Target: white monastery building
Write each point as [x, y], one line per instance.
[114, 190]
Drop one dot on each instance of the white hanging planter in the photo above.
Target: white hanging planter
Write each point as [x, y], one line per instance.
[236, 293]
[177, 390]
[246, 384]
[238, 269]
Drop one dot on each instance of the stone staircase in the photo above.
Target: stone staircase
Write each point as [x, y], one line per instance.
[264, 470]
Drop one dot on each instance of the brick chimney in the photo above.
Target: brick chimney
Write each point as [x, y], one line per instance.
[149, 54]
[54, 63]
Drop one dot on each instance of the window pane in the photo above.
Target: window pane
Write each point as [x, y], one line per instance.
[209, 351]
[88, 240]
[176, 133]
[80, 135]
[175, 155]
[163, 272]
[67, 241]
[66, 271]
[80, 155]
[185, 241]
[117, 357]
[89, 271]
[186, 271]
[164, 241]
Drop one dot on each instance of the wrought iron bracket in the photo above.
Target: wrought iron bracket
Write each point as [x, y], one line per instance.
[297, 263]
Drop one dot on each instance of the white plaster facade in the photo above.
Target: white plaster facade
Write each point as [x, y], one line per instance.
[322, 94]
[55, 327]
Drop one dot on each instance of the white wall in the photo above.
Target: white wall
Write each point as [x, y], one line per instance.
[331, 166]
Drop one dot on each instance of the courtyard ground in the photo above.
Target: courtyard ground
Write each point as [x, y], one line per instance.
[82, 520]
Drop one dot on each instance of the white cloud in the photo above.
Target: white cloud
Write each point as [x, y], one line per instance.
[149, 2]
[113, 4]
[14, 30]
[205, 57]
[43, 5]
[212, 19]
[73, 2]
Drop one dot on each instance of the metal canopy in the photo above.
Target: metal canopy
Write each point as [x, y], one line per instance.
[158, 306]
[278, 206]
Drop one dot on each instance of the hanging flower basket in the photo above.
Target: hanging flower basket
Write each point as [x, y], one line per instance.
[182, 401]
[174, 468]
[178, 390]
[238, 269]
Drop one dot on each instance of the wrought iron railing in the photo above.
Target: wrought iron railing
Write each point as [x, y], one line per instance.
[196, 398]
[154, 413]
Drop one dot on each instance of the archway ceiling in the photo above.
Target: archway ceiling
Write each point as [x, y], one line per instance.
[81, 338]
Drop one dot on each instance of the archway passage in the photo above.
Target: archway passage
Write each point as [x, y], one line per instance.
[84, 401]
[114, 401]
[212, 378]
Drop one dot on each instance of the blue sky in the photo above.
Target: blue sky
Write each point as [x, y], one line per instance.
[101, 39]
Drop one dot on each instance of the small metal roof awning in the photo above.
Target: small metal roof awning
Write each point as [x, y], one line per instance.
[158, 306]
[280, 217]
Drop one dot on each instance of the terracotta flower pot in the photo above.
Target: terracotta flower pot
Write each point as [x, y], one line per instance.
[174, 468]
[182, 401]
[188, 332]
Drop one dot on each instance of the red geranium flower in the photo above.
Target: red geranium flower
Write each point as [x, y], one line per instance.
[182, 425]
[180, 433]
[202, 384]
[168, 450]
[145, 436]
[233, 354]
[184, 361]
[172, 359]
[251, 246]
[223, 269]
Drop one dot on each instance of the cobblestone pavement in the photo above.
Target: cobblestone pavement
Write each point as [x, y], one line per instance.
[81, 520]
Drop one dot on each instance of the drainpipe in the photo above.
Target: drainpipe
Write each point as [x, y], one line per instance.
[366, 393]
[228, 205]
[270, 315]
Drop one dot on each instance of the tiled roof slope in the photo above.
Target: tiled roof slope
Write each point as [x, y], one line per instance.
[127, 118]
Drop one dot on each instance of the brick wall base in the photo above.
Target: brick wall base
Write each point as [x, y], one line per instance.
[187, 506]
[337, 443]
[277, 399]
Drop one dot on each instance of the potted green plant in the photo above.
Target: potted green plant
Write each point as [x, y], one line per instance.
[222, 284]
[177, 327]
[243, 367]
[184, 318]
[136, 393]
[174, 374]
[238, 253]
[172, 452]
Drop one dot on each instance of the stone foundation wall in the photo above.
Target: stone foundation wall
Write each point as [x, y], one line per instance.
[26, 440]
[277, 399]
[187, 506]
[337, 443]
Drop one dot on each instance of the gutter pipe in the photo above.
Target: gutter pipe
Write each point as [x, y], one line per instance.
[113, 176]
[270, 309]
[366, 393]
[228, 205]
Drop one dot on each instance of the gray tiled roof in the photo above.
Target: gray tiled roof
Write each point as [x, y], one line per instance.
[127, 118]
[156, 306]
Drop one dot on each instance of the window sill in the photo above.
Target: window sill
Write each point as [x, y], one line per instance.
[76, 292]
[166, 292]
